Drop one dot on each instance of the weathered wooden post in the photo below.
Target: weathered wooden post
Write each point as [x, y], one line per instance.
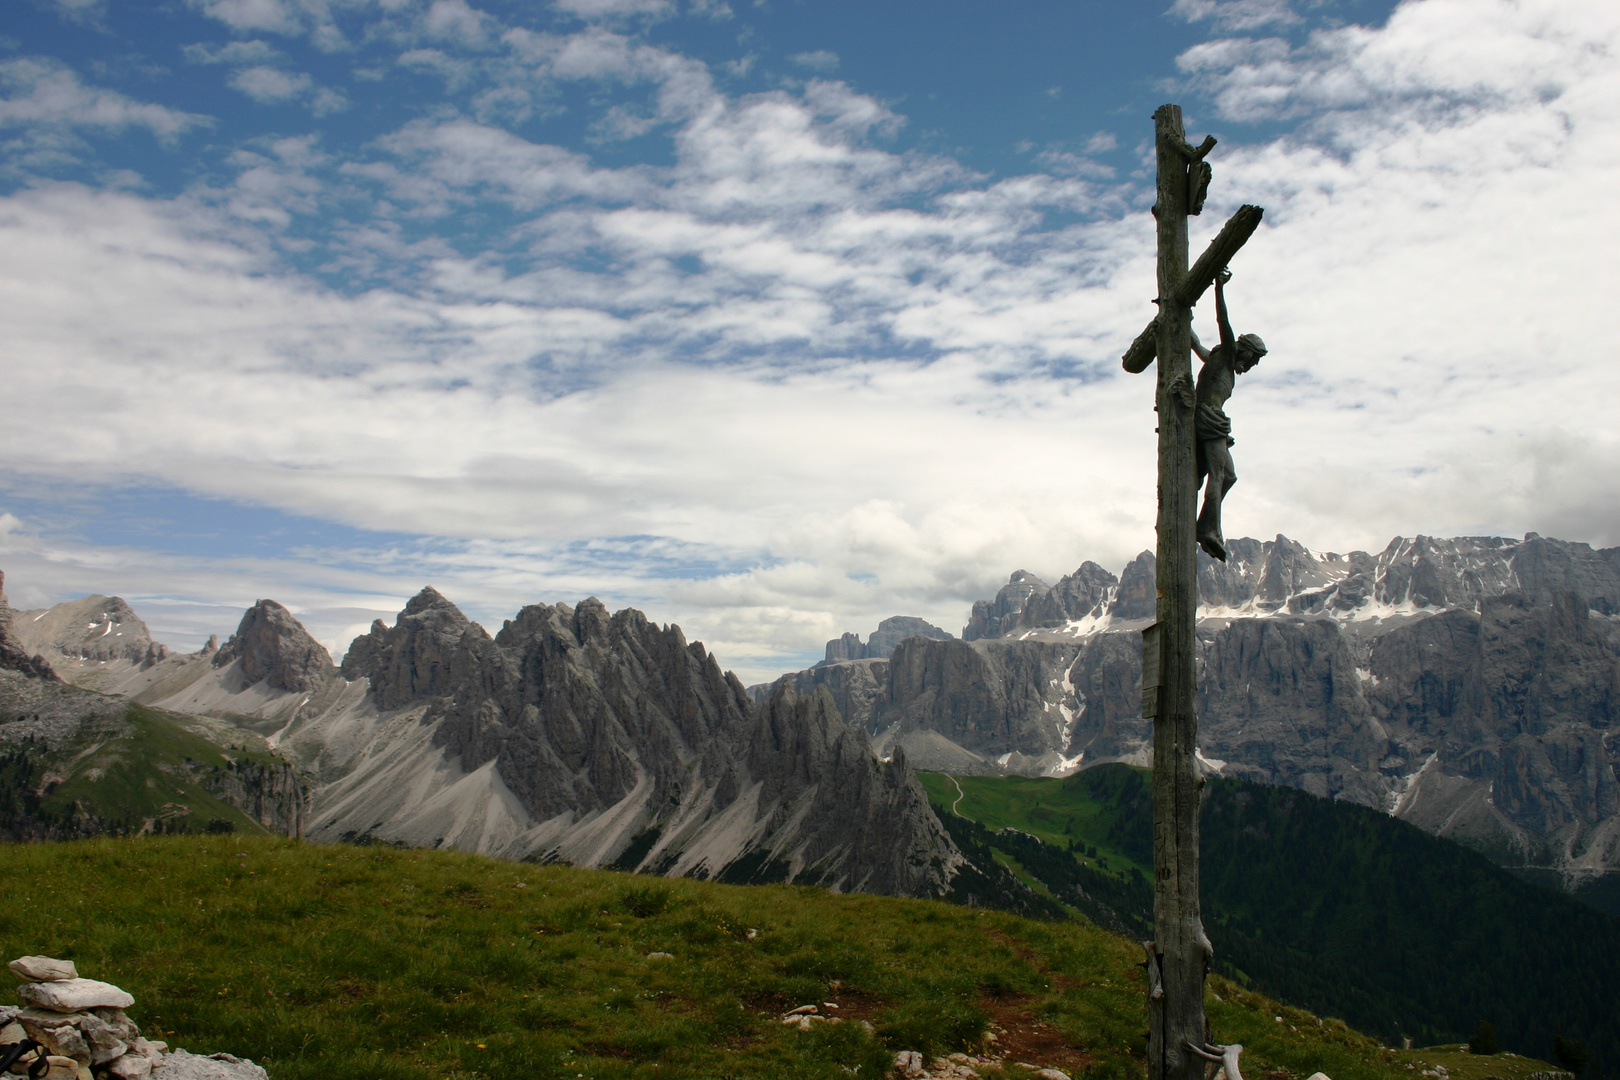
[1178, 958]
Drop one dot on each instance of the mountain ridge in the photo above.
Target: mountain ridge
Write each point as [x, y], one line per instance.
[1467, 685]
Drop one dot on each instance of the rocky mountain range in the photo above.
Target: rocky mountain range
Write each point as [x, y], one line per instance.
[571, 734]
[1470, 686]
[884, 640]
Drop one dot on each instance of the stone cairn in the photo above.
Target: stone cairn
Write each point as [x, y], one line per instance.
[82, 1031]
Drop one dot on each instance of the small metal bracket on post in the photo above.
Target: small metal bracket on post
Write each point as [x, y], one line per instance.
[1150, 671]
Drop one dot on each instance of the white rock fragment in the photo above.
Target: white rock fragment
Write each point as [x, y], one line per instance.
[909, 1063]
[802, 1010]
[1319, 1076]
[43, 969]
[181, 1065]
[131, 1067]
[72, 995]
[1052, 1074]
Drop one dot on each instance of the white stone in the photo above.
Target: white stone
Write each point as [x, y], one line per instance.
[181, 1065]
[72, 995]
[43, 969]
[62, 1068]
[1052, 1074]
[909, 1063]
[802, 1010]
[131, 1066]
[105, 1045]
[1320, 1076]
[61, 1040]
[12, 1033]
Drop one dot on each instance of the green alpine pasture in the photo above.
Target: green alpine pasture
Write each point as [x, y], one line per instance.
[345, 962]
[1333, 906]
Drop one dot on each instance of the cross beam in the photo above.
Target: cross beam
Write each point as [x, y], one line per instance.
[1233, 235]
[1178, 959]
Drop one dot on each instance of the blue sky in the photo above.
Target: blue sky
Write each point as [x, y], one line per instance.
[771, 319]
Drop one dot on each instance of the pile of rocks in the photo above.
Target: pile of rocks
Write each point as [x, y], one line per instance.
[85, 1034]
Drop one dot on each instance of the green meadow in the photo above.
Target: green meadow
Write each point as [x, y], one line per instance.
[347, 962]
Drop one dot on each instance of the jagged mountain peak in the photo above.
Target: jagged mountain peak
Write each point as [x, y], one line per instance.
[429, 601]
[411, 659]
[271, 644]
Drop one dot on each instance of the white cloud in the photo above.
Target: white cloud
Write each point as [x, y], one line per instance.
[267, 84]
[839, 381]
[277, 16]
[1237, 14]
[234, 52]
[601, 9]
[820, 60]
[288, 17]
[46, 93]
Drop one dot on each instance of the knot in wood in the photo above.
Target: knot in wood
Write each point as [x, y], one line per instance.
[1181, 389]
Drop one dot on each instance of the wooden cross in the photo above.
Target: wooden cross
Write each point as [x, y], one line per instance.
[1178, 958]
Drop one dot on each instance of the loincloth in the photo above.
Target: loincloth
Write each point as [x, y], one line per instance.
[1211, 423]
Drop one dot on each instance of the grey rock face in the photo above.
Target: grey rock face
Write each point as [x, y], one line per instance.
[1470, 686]
[857, 687]
[890, 632]
[92, 629]
[1138, 596]
[583, 713]
[412, 659]
[992, 618]
[1084, 593]
[273, 645]
[13, 656]
[990, 697]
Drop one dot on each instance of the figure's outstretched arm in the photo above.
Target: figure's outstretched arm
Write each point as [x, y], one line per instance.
[1198, 347]
[1221, 320]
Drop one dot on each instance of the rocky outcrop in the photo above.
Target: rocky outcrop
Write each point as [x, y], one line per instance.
[76, 1025]
[1137, 597]
[992, 618]
[272, 645]
[1084, 594]
[90, 630]
[881, 645]
[857, 687]
[411, 659]
[13, 656]
[606, 740]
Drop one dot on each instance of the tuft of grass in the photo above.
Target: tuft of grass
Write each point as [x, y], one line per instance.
[388, 964]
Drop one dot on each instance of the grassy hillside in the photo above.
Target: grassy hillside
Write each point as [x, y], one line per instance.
[1330, 905]
[136, 770]
[345, 962]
